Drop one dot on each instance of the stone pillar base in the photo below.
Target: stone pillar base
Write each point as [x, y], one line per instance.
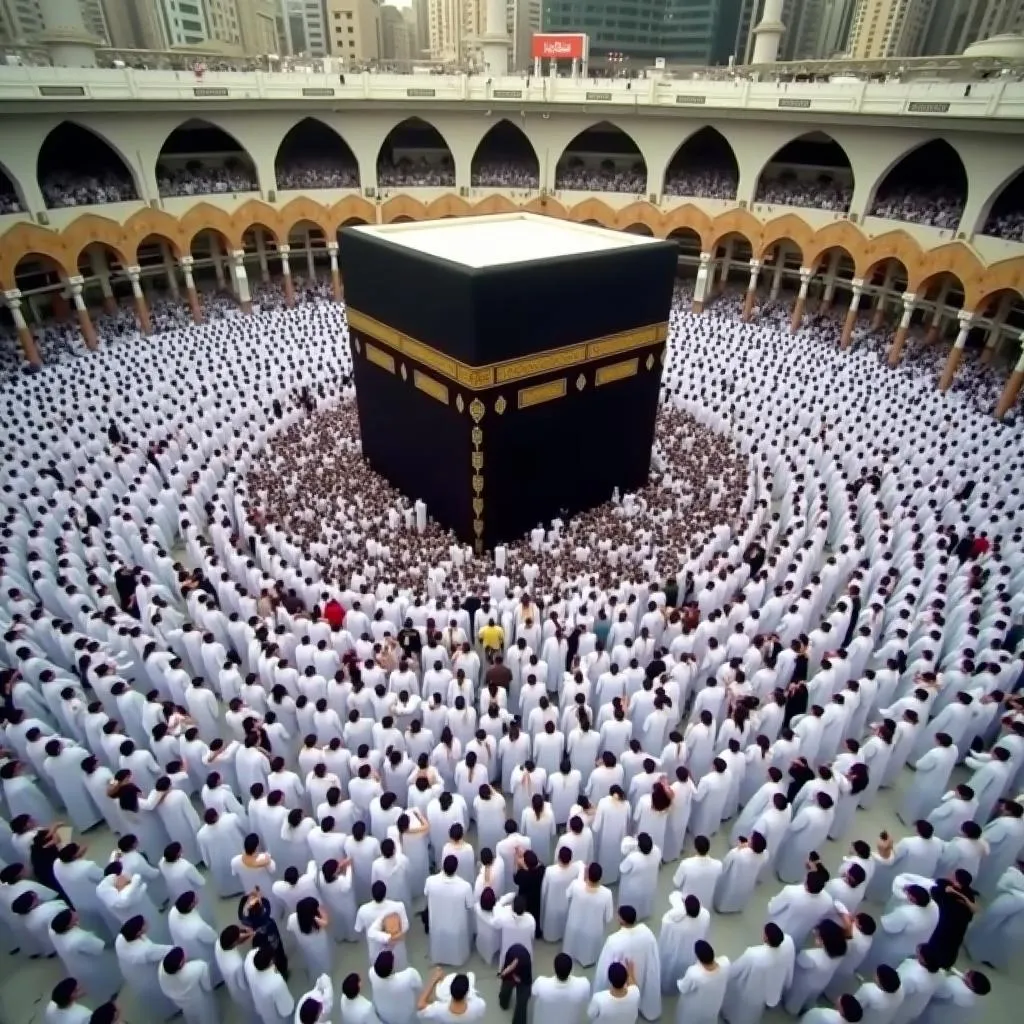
[848, 324]
[289, 290]
[748, 304]
[896, 352]
[949, 370]
[28, 347]
[1008, 399]
[336, 285]
[246, 306]
[988, 354]
[697, 307]
[87, 329]
[798, 316]
[109, 304]
[197, 309]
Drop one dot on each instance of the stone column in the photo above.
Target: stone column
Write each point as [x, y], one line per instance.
[851, 314]
[995, 333]
[101, 269]
[332, 251]
[286, 271]
[59, 301]
[896, 352]
[218, 263]
[937, 315]
[780, 265]
[261, 253]
[883, 295]
[84, 320]
[241, 280]
[141, 308]
[723, 274]
[1008, 399]
[748, 302]
[956, 353]
[801, 299]
[170, 270]
[700, 288]
[831, 277]
[12, 299]
[190, 287]
[310, 262]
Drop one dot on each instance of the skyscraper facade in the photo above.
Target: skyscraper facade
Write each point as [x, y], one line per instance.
[891, 28]
[956, 24]
[682, 31]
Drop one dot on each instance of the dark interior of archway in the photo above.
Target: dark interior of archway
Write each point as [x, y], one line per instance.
[813, 170]
[199, 158]
[639, 229]
[150, 251]
[846, 268]
[34, 272]
[77, 168]
[602, 158]
[313, 155]
[934, 168]
[9, 201]
[415, 153]
[1006, 218]
[119, 283]
[603, 138]
[704, 166]
[505, 157]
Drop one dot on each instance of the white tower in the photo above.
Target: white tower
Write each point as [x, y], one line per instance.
[67, 40]
[496, 44]
[768, 34]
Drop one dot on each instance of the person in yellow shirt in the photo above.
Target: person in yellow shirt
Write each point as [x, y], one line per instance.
[492, 637]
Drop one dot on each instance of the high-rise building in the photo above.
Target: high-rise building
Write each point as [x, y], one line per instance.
[816, 29]
[445, 26]
[134, 24]
[890, 28]
[394, 34]
[524, 18]
[304, 27]
[257, 23]
[956, 24]
[354, 30]
[21, 20]
[682, 31]
[418, 16]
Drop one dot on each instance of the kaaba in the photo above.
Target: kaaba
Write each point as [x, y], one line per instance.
[507, 368]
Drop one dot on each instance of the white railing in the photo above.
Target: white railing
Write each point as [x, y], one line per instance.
[1000, 98]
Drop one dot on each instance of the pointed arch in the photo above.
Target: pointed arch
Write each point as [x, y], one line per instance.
[151, 249]
[703, 166]
[199, 157]
[351, 206]
[1001, 217]
[207, 217]
[25, 239]
[812, 170]
[494, 204]
[313, 154]
[257, 212]
[594, 210]
[602, 158]
[689, 242]
[927, 185]
[12, 198]
[639, 229]
[415, 154]
[93, 230]
[144, 223]
[78, 166]
[505, 158]
[402, 208]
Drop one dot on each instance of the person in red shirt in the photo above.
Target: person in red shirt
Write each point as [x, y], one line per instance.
[334, 613]
[980, 546]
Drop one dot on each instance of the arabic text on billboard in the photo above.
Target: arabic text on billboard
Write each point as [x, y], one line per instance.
[558, 47]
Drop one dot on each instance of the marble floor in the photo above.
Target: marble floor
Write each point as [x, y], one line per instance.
[25, 985]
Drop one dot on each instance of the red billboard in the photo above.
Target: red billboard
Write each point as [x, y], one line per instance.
[560, 46]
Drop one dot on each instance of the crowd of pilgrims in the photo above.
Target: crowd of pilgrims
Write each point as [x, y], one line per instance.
[67, 188]
[711, 183]
[406, 173]
[340, 745]
[575, 176]
[505, 174]
[933, 207]
[324, 173]
[820, 195]
[202, 181]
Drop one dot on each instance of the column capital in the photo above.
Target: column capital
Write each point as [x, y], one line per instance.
[187, 261]
[909, 298]
[965, 316]
[705, 257]
[134, 272]
[13, 297]
[238, 255]
[76, 282]
[755, 265]
[283, 250]
[858, 283]
[332, 248]
[806, 273]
